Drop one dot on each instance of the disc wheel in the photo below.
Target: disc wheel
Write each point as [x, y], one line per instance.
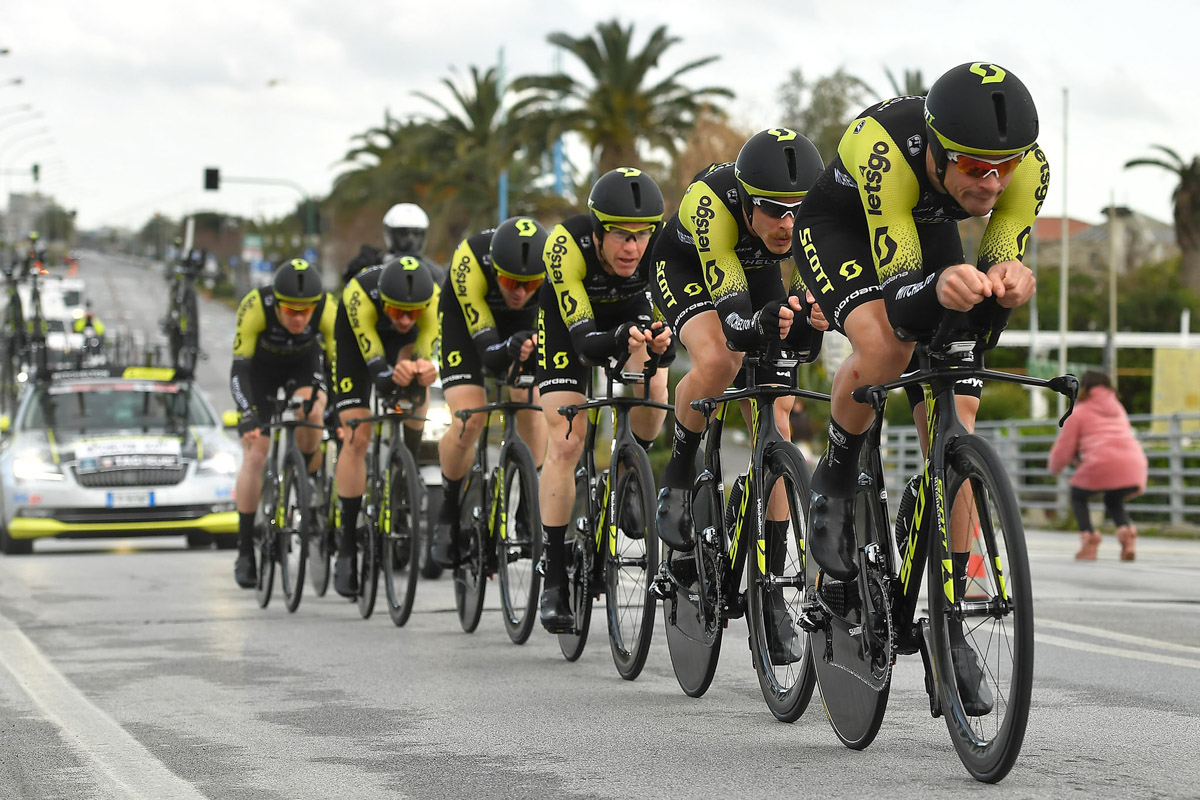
[631, 563]
[579, 550]
[995, 615]
[775, 590]
[519, 547]
[693, 614]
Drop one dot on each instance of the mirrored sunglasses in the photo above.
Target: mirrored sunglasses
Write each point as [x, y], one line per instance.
[775, 209]
[979, 167]
[639, 235]
[510, 283]
[297, 308]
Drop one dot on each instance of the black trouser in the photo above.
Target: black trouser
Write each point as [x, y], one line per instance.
[1114, 505]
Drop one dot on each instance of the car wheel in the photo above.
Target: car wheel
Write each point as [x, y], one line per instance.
[14, 547]
[199, 541]
[225, 541]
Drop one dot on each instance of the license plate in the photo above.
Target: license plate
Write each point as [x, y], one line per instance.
[130, 499]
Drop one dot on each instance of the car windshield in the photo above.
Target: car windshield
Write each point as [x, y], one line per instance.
[112, 408]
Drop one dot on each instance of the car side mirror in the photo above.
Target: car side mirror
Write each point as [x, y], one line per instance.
[230, 419]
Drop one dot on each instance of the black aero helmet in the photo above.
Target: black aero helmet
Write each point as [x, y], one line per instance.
[625, 195]
[404, 229]
[406, 283]
[517, 246]
[777, 162]
[981, 109]
[297, 282]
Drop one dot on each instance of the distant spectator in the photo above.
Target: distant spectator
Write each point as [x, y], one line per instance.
[1098, 440]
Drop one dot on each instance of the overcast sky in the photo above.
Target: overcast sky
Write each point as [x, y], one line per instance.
[138, 96]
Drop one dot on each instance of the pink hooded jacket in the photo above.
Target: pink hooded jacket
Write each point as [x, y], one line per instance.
[1098, 435]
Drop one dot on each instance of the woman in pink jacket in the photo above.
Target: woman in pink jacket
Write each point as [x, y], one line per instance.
[1098, 439]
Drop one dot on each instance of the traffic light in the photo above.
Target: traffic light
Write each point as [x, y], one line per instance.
[36, 170]
[212, 179]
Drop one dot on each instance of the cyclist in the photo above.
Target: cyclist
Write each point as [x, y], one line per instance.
[881, 249]
[90, 321]
[386, 333]
[595, 308]
[488, 311]
[405, 226]
[719, 283]
[275, 340]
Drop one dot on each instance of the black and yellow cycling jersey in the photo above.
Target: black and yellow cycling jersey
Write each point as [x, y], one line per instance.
[588, 295]
[262, 345]
[873, 224]
[368, 344]
[475, 320]
[708, 258]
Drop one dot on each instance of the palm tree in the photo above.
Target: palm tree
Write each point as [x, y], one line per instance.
[619, 110]
[913, 84]
[1187, 210]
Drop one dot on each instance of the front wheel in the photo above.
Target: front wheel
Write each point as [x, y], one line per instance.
[989, 619]
[291, 528]
[518, 546]
[186, 343]
[471, 574]
[400, 526]
[368, 553]
[579, 552]
[631, 563]
[776, 589]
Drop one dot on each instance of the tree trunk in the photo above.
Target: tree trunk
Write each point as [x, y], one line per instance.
[1189, 269]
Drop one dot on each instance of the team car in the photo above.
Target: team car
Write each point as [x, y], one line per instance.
[115, 452]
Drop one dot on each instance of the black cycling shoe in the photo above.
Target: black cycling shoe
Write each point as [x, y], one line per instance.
[972, 682]
[674, 518]
[244, 572]
[633, 522]
[833, 543]
[784, 642]
[345, 575]
[444, 551]
[555, 610]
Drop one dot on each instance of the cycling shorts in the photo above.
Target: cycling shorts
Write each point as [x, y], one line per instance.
[461, 363]
[351, 380]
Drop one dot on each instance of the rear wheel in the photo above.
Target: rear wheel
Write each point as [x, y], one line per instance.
[265, 550]
[368, 547]
[631, 563]
[995, 614]
[292, 528]
[776, 591]
[400, 524]
[186, 346]
[693, 612]
[518, 547]
[431, 507]
[320, 540]
[471, 574]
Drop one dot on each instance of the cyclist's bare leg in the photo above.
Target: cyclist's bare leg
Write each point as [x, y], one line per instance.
[877, 357]
[556, 488]
[714, 366]
[646, 422]
[456, 450]
[531, 423]
[351, 465]
[248, 487]
[309, 439]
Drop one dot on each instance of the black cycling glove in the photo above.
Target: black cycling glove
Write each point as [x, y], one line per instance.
[248, 422]
[381, 375]
[516, 341]
[766, 321]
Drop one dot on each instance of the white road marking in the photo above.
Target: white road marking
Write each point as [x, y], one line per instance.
[131, 770]
[1137, 655]
[1157, 644]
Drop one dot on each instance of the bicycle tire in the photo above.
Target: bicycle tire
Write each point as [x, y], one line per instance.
[519, 545]
[579, 550]
[693, 622]
[400, 527]
[470, 576]
[188, 350]
[988, 745]
[320, 542]
[631, 563]
[264, 539]
[291, 529]
[429, 513]
[8, 379]
[854, 689]
[368, 546]
[786, 687]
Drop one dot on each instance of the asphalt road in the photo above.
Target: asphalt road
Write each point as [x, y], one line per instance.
[137, 669]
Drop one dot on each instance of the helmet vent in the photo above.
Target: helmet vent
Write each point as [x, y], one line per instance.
[637, 194]
[790, 152]
[525, 252]
[1001, 108]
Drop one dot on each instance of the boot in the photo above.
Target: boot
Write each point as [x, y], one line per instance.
[345, 567]
[244, 572]
[1127, 535]
[1089, 543]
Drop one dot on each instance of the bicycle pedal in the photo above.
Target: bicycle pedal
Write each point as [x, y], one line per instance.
[662, 587]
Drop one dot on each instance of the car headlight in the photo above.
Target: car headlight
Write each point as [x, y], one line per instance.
[222, 462]
[34, 465]
[437, 422]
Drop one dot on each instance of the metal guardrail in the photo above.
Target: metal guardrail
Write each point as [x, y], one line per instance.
[1172, 443]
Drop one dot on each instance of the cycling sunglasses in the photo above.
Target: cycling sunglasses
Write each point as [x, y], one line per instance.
[639, 235]
[775, 209]
[396, 313]
[510, 283]
[979, 167]
[297, 308]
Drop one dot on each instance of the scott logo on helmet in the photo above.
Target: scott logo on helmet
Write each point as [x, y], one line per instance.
[629, 172]
[526, 227]
[782, 134]
[989, 73]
